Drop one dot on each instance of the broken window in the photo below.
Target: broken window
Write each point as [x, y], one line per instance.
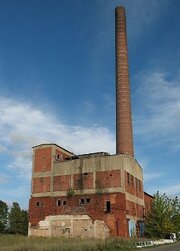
[59, 157]
[132, 180]
[38, 204]
[128, 178]
[82, 202]
[108, 206]
[58, 203]
[136, 183]
[88, 200]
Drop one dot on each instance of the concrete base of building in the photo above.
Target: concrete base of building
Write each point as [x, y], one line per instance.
[70, 226]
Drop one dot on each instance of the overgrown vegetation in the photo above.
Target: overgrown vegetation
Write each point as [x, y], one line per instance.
[22, 243]
[70, 192]
[163, 218]
[15, 221]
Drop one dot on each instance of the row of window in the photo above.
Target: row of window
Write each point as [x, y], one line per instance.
[131, 180]
[82, 201]
[61, 202]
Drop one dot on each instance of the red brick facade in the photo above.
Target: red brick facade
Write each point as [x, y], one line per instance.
[147, 201]
[61, 183]
[43, 159]
[133, 185]
[134, 209]
[96, 197]
[41, 185]
[83, 181]
[93, 205]
[108, 179]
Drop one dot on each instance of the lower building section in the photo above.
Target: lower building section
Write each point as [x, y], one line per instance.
[97, 216]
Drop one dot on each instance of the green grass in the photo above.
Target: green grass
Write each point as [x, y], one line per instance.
[22, 243]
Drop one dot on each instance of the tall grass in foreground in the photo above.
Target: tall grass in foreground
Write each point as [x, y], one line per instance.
[22, 243]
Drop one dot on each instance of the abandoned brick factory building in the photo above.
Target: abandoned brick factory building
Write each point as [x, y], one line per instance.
[93, 195]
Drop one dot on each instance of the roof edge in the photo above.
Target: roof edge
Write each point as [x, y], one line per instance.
[53, 144]
[148, 194]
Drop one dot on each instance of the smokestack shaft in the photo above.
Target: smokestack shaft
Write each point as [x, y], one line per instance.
[124, 134]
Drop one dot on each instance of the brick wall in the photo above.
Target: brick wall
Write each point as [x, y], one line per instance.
[147, 201]
[107, 179]
[44, 155]
[83, 181]
[134, 209]
[43, 159]
[41, 184]
[133, 185]
[140, 210]
[61, 183]
[110, 208]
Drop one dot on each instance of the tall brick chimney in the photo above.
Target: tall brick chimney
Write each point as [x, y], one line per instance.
[124, 134]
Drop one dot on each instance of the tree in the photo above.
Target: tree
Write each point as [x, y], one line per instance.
[18, 220]
[24, 216]
[3, 216]
[176, 215]
[163, 218]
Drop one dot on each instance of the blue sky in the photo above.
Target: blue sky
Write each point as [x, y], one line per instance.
[57, 84]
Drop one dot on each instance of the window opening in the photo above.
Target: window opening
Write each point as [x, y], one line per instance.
[132, 180]
[58, 203]
[108, 206]
[128, 178]
[139, 185]
[88, 200]
[136, 183]
[64, 202]
[85, 173]
[82, 201]
[59, 157]
[38, 204]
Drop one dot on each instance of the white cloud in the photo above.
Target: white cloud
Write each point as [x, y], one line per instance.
[23, 126]
[159, 119]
